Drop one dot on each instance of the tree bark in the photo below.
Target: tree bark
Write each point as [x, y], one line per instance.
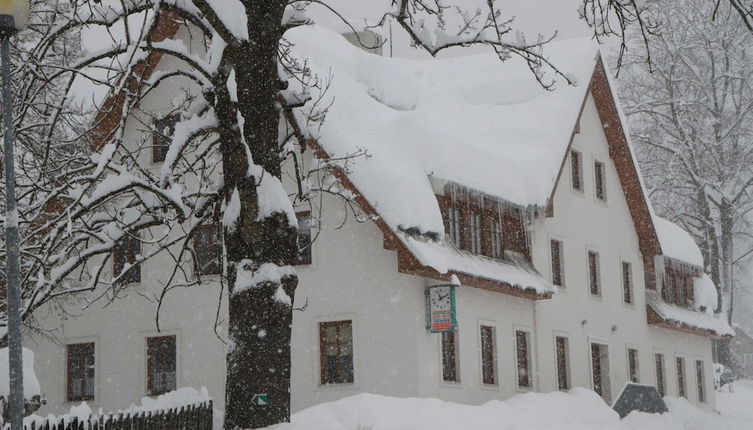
[258, 361]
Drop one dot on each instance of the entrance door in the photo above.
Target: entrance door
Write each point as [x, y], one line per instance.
[600, 371]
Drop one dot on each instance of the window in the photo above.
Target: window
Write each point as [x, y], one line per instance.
[208, 249]
[748, 358]
[600, 371]
[627, 282]
[563, 363]
[454, 226]
[124, 258]
[450, 366]
[594, 280]
[601, 181]
[680, 366]
[488, 355]
[523, 358]
[80, 372]
[475, 221]
[576, 171]
[661, 382]
[700, 381]
[304, 238]
[496, 250]
[160, 365]
[633, 369]
[163, 132]
[557, 267]
[336, 352]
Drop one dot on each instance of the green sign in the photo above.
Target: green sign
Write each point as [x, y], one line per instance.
[260, 399]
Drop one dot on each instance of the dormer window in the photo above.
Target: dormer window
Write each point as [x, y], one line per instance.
[496, 242]
[677, 286]
[475, 230]
[454, 226]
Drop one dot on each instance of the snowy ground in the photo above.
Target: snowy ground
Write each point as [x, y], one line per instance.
[578, 410]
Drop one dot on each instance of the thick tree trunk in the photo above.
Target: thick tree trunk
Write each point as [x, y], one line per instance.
[258, 362]
[722, 346]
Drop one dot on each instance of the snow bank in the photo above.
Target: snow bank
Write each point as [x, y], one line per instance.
[428, 118]
[31, 383]
[677, 243]
[580, 409]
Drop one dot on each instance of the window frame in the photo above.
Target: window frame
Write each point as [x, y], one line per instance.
[200, 248]
[475, 232]
[628, 287]
[497, 247]
[125, 252]
[700, 376]
[488, 351]
[660, 367]
[305, 255]
[633, 364]
[151, 361]
[576, 171]
[160, 149]
[449, 375]
[594, 273]
[527, 360]
[70, 349]
[324, 379]
[559, 279]
[600, 181]
[455, 222]
[681, 376]
[562, 363]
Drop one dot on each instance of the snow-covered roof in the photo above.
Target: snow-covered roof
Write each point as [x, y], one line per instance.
[473, 120]
[688, 318]
[677, 243]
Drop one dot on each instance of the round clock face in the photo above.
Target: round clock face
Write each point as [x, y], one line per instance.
[440, 298]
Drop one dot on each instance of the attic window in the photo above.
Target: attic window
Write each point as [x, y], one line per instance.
[454, 226]
[600, 181]
[475, 221]
[677, 287]
[576, 170]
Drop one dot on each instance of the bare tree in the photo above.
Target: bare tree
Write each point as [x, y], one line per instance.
[692, 116]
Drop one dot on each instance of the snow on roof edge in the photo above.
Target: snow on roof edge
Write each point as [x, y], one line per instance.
[688, 318]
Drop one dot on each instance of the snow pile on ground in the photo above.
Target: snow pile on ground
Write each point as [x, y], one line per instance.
[31, 383]
[580, 409]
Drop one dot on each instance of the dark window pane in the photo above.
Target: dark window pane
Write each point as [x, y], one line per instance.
[208, 248]
[124, 254]
[161, 365]
[164, 129]
[700, 380]
[660, 381]
[80, 372]
[633, 365]
[593, 273]
[488, 356]
[627, 282]
[523, 359]
[304, 238]
[600, 176]
[336, 352]
[576, 174]
[680, 365]
[563, 379]
[449, 357]
[556, 249]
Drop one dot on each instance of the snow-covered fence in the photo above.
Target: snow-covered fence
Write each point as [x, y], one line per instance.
[189, 417]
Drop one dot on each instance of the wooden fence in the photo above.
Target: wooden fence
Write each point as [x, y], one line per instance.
[189, 417]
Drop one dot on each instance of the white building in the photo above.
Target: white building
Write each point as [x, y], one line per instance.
[529, 199]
